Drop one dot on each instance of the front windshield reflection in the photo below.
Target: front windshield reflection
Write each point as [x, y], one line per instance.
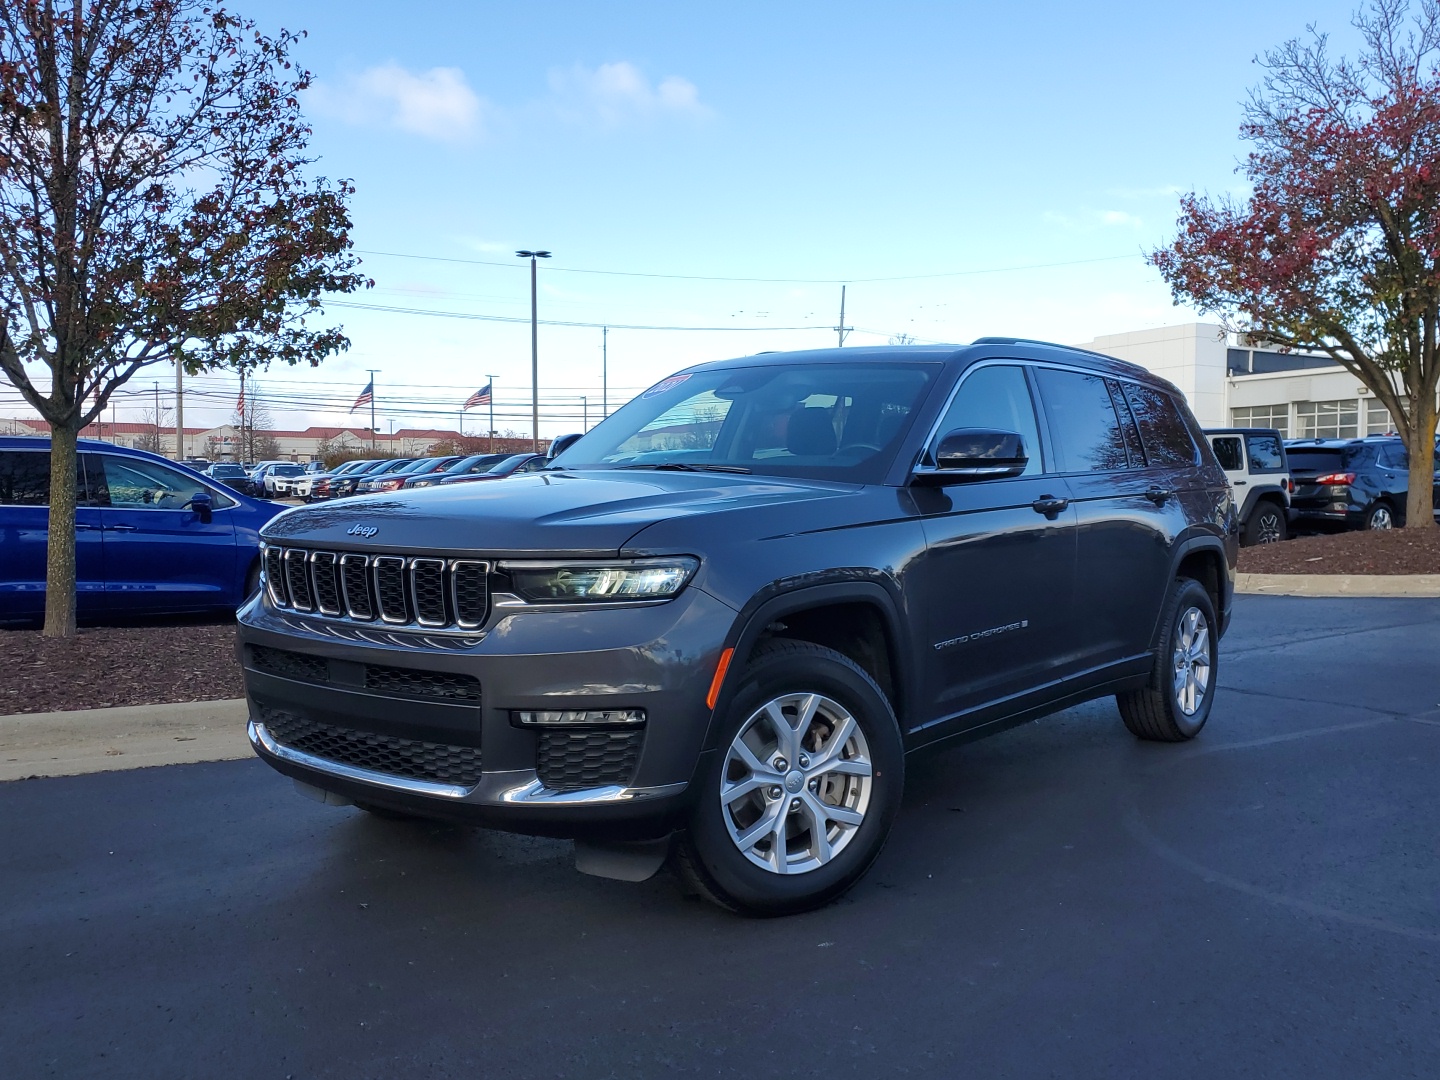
[820, 421]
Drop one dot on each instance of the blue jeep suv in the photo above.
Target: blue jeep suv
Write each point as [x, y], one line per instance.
[141, 546]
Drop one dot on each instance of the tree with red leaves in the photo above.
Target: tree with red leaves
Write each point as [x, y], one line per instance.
[1338, 247]
[156, 207]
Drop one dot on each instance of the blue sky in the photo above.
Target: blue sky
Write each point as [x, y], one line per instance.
[801, 141]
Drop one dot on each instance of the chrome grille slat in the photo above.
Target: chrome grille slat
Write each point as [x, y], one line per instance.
[418, 592]
[390, 588]
[427, 590]
[297, 580]
[275, 575]
[469, 592]
[327, 588]
[355, 582]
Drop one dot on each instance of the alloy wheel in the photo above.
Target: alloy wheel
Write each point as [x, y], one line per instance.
[1192, 660]
[796, 783]
[1269, 529]
[1380, 518]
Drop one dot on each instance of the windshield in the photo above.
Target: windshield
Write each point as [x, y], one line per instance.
[287, 470]
[509, 463]
[819, 421]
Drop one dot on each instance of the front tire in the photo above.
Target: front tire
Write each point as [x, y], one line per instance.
[1176, 703]
[797, 800]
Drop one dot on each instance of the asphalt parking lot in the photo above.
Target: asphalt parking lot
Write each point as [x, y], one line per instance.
[1058, 901]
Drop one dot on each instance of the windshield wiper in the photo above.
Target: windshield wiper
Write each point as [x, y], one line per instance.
[687, 466]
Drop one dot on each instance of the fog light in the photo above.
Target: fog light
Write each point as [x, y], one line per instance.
[575, 717]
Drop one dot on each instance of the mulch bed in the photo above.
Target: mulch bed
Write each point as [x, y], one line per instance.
[1394, 551]
[117, 665]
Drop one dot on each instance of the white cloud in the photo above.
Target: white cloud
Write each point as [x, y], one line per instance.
[616, 94]
[1090, 220]
[437, 104]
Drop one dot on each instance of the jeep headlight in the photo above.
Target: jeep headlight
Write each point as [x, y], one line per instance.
[600, 582]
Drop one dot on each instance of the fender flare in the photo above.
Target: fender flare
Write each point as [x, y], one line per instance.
[782, 598]
[1256, 494]
[1206, 542]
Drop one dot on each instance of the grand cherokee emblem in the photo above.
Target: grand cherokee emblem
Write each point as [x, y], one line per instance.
[366, 531]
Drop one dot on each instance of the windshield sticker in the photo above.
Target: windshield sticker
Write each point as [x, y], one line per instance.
[665, 384]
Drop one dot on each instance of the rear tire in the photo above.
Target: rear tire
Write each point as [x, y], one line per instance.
[1176, 703]
[1266, 525]
[1380, 517]
[795, 804]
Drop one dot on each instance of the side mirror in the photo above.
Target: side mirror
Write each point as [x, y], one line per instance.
[203, 506]
[968, 454]
[559, 445]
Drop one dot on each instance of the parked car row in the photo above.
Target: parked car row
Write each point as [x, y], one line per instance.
[155, 538]
[1284, 484]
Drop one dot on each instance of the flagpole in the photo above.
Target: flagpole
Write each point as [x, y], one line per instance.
[490, 381]
[372, 409]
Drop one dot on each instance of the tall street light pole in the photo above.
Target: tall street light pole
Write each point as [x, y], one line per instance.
[534, 350]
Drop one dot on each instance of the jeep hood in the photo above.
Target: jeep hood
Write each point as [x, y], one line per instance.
[555, 513]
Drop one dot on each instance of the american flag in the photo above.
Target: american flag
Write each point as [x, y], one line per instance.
[240, 401]
[479, 397]
[366, 396]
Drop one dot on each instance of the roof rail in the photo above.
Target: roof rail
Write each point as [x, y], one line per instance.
[1050, 345]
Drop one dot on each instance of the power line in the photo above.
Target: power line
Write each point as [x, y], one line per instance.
[556, 322]
[758, 280]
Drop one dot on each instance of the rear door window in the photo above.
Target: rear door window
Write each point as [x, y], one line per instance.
[1083, 425]
[25, 478]
[1228, 453]
[1162, 426]
[1266, 453]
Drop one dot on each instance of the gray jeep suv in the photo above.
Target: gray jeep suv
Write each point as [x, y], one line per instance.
[713, 628]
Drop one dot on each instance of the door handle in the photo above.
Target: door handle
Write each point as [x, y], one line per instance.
[79, 526]
[1240, 483]
[121, 528]
[1049, 506]
[1159, 495]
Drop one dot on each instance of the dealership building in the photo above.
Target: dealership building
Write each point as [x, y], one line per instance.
[1230, 383]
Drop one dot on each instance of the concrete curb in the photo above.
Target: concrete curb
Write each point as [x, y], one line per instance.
[133, 737]
[1335, 585]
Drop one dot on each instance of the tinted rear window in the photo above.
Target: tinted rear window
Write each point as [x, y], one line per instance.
[1326, 459]
[1266, 453]
[24, 478]
[1162, 426]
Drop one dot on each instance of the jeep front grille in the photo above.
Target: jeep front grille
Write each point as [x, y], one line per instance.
[418, 591]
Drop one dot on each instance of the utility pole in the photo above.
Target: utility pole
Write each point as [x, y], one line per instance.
[179, 412]
[158, 450]
[604, 366]
[585, 412]
[842, 329]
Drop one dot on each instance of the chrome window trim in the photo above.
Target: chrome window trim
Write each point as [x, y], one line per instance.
[261, 738]
[1041, 422]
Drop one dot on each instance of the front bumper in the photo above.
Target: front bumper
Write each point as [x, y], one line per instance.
[322, 715]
